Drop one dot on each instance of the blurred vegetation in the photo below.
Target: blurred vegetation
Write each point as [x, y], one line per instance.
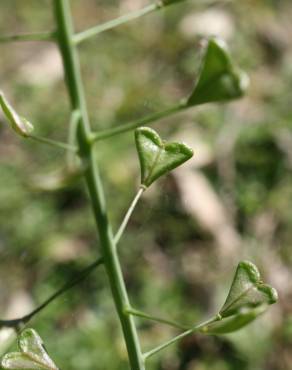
[175, 264]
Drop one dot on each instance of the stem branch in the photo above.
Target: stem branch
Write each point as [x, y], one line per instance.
[15, 323]
[84, 35]
[37, 36]
[128, 215]
[179, 337]
[107, 133]
[144, 315]
[54, 143]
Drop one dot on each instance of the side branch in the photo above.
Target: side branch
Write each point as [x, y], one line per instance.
[143, 315]
[37, 36]
[16, 323]
[128, 215]
[57, 144]
[107, 133]
[179, 337]
[84, 35]
[91, 32]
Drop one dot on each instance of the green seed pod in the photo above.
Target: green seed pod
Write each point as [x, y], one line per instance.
[247, 290]
[32, 354]
[219, 80]
[156, 156]
[248, 298]
[233, 323]
[19, 124]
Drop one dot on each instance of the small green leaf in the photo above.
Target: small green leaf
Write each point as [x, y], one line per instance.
[156, 156]
[32, 355]
[219, 79]
[248, 297]
[19, 124]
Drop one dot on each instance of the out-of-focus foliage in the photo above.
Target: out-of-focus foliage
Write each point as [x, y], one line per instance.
[232, 201]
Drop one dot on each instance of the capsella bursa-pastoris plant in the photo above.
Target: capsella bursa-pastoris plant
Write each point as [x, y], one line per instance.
[218, 79]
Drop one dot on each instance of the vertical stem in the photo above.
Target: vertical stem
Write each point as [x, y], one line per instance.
[92, 177]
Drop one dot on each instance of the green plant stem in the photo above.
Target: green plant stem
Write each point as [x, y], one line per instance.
[107, 133]
[15, 323]
[56, 144]
[37, 36]
[144, 315]
[179, 337]
[91, 32]
[128, 215]
[92, 177]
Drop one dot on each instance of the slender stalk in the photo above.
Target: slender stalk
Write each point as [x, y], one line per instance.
[107, 133]
[179, 337]
[37, 36]
[91, 32]
[54, 143]
[144, 315]
[15, 323]
[92, 177]
[128, 215]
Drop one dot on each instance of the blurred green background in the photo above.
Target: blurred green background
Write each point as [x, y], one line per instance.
[232, 201]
